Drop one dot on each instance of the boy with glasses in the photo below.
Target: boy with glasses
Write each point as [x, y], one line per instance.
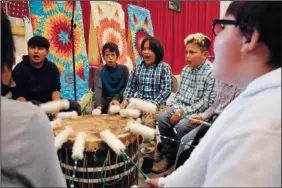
[243, 146]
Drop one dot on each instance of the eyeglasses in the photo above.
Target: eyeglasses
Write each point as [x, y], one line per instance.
[219, 25]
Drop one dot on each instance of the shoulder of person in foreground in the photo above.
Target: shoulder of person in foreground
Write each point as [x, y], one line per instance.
[252, 141]
[29, 146]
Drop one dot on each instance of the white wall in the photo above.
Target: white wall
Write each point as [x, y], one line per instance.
[223, 7]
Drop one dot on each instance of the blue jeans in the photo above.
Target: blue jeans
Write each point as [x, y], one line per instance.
[169, 148]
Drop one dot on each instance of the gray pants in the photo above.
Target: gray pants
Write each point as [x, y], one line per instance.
[187, 139]
[169, 148]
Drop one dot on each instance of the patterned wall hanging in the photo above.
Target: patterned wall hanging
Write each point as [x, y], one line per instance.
[52, 19]
[140, 26]
[108, 19]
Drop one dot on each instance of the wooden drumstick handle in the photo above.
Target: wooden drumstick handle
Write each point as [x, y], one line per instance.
[200, 121]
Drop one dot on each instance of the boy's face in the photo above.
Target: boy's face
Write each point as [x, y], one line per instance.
[148, 55]
[194, 56]
[110, 58]
[228, 56]
[37, 54]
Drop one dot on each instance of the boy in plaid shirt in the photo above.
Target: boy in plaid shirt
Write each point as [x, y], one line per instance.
[197, 92]
[150, 80]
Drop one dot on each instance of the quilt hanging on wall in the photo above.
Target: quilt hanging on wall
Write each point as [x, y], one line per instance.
[139, 27]
[108, 21]
[52, 19]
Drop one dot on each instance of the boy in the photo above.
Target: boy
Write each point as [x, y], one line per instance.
[151, 80]
[243, 146]
[110, 79]
[197, 92]
[38, 79]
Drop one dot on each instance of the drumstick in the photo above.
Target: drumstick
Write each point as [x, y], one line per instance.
[78, 146]
[140, 129]
[118, 147]
[56, 123]
[148, 132]
[113, 142]
[200, 121]
[129, 112]
[62, 137]
[65, 115]
[54, 106]
[144, 106]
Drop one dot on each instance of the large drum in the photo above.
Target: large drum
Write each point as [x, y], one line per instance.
[100, 167]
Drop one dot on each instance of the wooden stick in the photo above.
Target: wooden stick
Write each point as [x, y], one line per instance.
[200, 121]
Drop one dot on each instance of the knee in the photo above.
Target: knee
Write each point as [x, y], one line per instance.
[183, 127]
[163, 118]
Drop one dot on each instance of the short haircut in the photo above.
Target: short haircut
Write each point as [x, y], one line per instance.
[7, 43]
[201, 40]
[112, 47]
[156, 47]
[38, 41]
[263, 16]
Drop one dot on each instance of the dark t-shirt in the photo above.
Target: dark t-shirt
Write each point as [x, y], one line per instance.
[36, 84]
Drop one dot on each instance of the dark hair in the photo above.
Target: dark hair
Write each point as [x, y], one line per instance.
[38, 41]
[156, 46]
[7, 43]
[112, 47]
[265, 17]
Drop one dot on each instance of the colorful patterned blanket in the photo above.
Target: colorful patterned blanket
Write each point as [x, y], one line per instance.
[52, 19]
[140, 26]
[108, 21]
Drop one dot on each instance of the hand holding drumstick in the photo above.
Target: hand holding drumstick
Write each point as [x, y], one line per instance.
[197, 119]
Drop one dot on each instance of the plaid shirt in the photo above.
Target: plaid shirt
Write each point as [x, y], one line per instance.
[149, 82]
[197, 90]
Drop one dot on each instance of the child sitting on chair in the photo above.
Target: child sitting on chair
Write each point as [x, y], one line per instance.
[151, 80]
[110, 79]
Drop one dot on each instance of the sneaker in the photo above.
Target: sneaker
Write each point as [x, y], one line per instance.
[161, 166]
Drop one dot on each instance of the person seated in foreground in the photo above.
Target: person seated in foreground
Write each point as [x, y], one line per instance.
[226, 93]
[28, 154]
[243, 146]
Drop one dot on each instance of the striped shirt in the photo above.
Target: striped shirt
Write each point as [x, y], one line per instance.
[149, 82]
[197, 89]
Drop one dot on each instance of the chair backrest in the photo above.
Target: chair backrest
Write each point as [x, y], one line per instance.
[174, 84]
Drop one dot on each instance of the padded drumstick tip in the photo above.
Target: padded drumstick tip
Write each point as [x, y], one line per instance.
[78, 147]
[54, 106]
[114, 109]
[112, 141]
[129, 113]
[96, 112]
[56, 123]
[142, 130]
[62, 137]
[66, 115]
[144, 106]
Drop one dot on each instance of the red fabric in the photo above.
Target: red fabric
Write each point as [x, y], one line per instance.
[172, 27]
[86, 13]
[17, 9]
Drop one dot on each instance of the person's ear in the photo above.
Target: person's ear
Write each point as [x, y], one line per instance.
[250, 43]
[206, 54]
